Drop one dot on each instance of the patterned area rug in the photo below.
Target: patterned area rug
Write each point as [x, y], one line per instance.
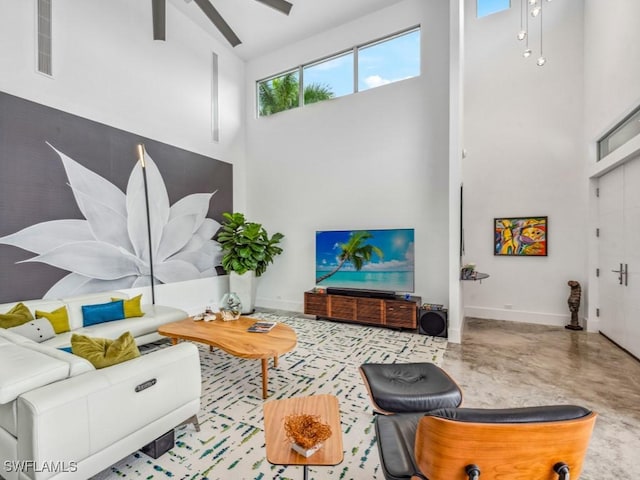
[230, 444]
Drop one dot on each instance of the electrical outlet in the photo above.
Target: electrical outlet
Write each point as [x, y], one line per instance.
[508, 306]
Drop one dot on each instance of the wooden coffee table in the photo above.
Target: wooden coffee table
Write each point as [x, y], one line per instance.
[233, 338]
[279, 451]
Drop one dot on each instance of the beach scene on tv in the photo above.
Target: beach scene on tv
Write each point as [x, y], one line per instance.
[366, 259]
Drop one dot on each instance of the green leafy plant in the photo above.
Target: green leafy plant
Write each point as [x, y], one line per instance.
[282, 93]
[246, 246]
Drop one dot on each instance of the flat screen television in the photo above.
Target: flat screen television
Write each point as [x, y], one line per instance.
[376, 260]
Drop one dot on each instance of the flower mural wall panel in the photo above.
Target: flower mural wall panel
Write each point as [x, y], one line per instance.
[72, 208]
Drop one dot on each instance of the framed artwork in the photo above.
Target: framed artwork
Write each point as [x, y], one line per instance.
[520, 236]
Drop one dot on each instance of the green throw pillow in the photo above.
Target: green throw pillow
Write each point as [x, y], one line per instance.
[18, 315]
[131, 307]
[104, 352]
[58, 318]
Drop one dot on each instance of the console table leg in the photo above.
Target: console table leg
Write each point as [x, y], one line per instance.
[265, 378]
[275, 361]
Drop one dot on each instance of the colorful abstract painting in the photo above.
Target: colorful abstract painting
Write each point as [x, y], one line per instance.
[520, 236]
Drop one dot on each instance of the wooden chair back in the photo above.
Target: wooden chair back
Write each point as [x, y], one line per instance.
[504, 451]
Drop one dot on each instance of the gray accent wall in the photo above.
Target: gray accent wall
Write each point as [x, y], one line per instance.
[34, 187]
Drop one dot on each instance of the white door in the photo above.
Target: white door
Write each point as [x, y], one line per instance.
[619, 255]
[610, 249]
[631, 214]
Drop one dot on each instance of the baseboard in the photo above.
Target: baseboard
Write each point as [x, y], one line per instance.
[591, 324]
[454, 335]
[279, 304]
[522, 316]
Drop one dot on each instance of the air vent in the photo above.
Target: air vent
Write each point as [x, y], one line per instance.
[215, 109]
[44, 37]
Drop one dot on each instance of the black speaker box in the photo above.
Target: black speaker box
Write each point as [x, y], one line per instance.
[432, 322]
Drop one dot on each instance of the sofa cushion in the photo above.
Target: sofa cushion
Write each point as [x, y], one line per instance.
[102, 312]
[8, 336]
[60, 340]
[37, 330]
[155, 316]
[74, 305]
[76, 365]
[104, 352]
[17, 315]
[131, 306]
[29, 369]
[8, 417]
[58, 318]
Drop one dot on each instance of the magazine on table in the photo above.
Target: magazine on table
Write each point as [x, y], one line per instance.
[262, 327]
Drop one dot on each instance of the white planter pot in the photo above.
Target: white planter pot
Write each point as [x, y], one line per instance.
[245, 287]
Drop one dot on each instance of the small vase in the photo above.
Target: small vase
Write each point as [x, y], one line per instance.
[230, 307]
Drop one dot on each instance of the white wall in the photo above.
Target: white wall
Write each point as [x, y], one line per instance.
[108, 69]
[456, 144]
[612, 90]
[612, 64]
[524, 140]
[376, 159]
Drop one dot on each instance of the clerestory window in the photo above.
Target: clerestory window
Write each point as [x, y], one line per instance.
[488, 7]
[624, 131]
[362, 67]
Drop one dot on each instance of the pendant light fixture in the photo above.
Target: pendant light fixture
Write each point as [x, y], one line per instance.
[533, 8]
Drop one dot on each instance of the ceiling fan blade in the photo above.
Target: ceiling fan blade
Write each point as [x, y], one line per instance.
[280, 5]
[215, 17]
[159, 14]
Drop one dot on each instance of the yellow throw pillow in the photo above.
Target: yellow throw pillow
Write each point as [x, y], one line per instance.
[58, 318]
[131, 307]
[104, 352]
[18, 315]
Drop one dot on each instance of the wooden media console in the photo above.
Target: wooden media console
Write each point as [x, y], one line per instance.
[395, 313]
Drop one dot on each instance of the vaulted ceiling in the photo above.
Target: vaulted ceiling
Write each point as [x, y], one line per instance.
[262, 29]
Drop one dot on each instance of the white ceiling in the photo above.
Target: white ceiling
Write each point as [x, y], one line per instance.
[263, 29]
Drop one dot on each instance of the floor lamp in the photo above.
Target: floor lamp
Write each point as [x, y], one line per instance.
[141, 154]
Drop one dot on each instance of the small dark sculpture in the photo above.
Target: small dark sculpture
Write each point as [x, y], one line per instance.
[574, 304]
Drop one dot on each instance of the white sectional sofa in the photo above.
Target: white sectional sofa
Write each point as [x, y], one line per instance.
[61, 418]
[144, 329]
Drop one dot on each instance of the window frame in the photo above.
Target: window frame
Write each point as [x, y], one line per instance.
[380, 41]
[354, 50]
[320, 61]
[627, 120]
[297, 69]
[493, 12]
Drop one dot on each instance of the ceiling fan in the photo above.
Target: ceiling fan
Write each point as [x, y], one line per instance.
[158, 8]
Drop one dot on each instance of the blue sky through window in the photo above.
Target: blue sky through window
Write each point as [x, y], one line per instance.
[335, 73]
[379, 63]
[487, 7]
[389, 61]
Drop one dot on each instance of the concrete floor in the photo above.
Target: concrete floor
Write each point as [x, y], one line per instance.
[505, 364]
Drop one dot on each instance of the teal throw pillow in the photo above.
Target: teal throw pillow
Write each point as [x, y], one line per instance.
[102, 312]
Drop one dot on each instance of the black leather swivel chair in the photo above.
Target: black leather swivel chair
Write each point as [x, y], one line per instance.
[530, 443]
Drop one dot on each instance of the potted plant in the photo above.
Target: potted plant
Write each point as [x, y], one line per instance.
[247, 250]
